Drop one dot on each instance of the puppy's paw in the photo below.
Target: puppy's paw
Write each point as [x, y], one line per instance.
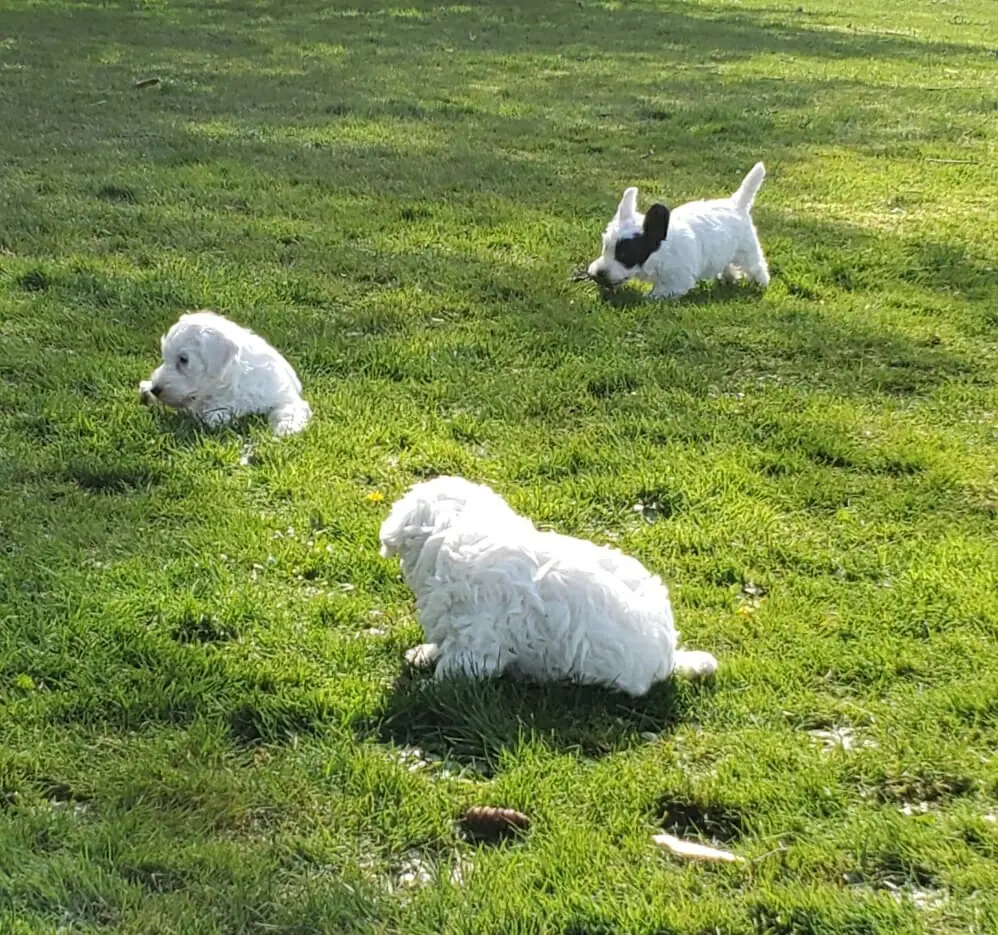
[423, 656]
[290, 419]
[666, 294]
[146, 396]
[214, 418]
[694, 664]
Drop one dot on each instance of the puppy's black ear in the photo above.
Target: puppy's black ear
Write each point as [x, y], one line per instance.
[656, 223]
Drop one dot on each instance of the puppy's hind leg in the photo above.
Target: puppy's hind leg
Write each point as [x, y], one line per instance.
[693, 664]
[290, 419]
[754, 263]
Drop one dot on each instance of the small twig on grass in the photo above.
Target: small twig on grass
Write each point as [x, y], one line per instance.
[146, 82]
[955, 162]
[693, 850]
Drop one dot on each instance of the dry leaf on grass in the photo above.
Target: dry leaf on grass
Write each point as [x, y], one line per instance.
[692, 850]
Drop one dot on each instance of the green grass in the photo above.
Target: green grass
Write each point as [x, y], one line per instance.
[205, 725]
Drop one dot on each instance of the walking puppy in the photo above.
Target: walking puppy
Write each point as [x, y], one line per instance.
[496, 595]
[675, 250]
[220, 371]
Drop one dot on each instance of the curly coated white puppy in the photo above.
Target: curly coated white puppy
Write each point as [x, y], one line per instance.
[496, 595]
[220, 371]
[675, 250]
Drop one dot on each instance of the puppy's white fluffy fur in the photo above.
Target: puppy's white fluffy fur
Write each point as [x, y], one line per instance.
[220, 371]
[698, 240]
[496, 595]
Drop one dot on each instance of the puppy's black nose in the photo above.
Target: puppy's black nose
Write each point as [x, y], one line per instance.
[603, 280]
[156, 390]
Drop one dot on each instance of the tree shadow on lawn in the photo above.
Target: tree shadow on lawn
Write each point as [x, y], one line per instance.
[475, 724]
[555, 153]
[323, 68]
[556, 26]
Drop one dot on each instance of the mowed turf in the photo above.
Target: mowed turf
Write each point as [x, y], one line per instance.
[205, 722]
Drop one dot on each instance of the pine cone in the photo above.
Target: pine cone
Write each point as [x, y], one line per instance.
[487, 823]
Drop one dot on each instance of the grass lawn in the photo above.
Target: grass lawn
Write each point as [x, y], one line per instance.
[205, 722]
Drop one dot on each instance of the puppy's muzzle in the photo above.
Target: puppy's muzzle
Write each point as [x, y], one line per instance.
[602, 279]
[156, 390]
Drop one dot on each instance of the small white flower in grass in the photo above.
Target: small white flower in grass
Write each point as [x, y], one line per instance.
[413, 758]
[414, 872]
[751, 597]
[841, 738]
[927, 900]
[370, 631]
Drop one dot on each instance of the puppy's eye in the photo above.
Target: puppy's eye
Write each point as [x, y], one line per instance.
[181, 360]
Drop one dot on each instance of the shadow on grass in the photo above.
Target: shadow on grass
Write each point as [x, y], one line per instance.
[632, 294]
[323, 68]
[508, 26]
[189, 432]
[475, 723]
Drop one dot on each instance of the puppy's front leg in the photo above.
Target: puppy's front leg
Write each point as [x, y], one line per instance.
[423, 655]
[466, 663]
[673, 290]
[213, 418]
[289, 419]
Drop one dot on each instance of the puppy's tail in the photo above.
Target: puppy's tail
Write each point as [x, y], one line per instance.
[693, 664]
[745, 196]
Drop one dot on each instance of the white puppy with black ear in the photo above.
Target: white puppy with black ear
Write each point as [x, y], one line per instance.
[220, 371]
[496, 595]
[675, 250]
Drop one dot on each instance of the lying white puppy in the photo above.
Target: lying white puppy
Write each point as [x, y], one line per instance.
[674, 251]
[220, 371]
[496, 595]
